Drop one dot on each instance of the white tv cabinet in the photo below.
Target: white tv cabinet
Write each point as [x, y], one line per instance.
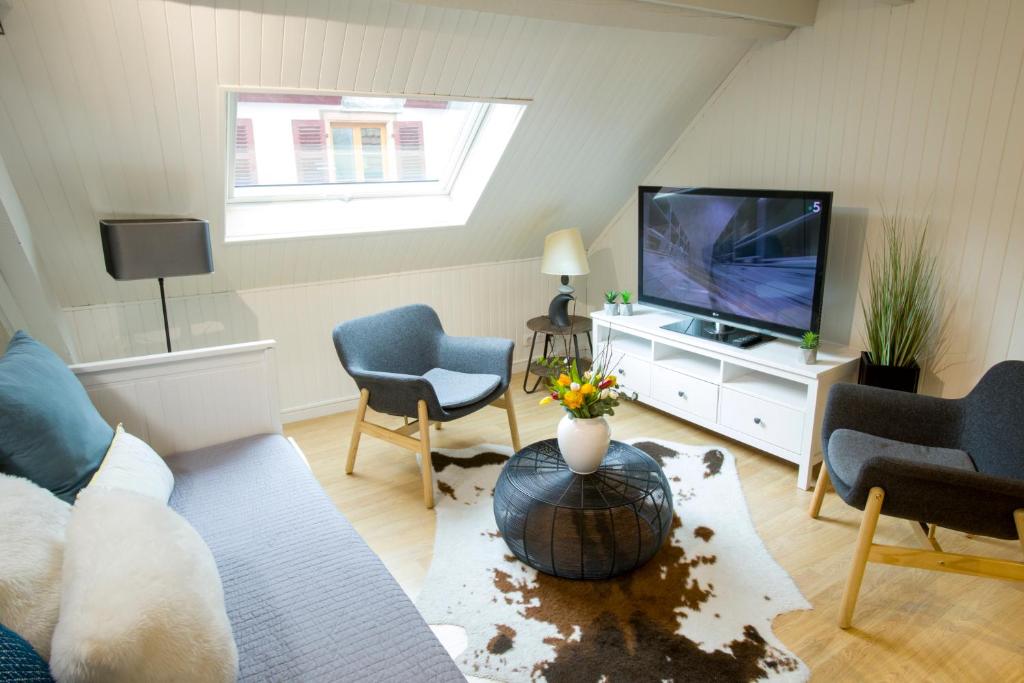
[764, 396]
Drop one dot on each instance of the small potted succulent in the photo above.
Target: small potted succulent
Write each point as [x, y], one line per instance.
[809, 347]
[626, 307]
[610, 307]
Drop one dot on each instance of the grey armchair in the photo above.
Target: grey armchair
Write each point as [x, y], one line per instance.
[951, 463]
[405, 365]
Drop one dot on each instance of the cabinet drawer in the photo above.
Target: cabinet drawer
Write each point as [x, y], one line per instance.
[633, 375]
[762, 419]
[686, 394]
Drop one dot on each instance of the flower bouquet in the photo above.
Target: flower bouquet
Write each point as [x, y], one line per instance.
[583, 434]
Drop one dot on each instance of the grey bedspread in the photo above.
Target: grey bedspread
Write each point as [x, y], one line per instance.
[307, 598]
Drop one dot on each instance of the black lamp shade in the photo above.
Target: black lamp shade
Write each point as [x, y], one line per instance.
[136, 249]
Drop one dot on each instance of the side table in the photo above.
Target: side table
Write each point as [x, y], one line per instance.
[578, 325]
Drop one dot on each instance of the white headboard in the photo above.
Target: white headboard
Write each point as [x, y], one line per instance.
[185, 400]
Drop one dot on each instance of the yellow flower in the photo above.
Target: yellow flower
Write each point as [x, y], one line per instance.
[546, 400]
[564, 380]
[572, 399]
[587, 389]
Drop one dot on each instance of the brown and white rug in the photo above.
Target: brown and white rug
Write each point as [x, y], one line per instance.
[700, 610]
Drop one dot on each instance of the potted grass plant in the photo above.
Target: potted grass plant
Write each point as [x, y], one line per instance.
[610, 305]
[901, 311]
[626, 307]
[809, 347]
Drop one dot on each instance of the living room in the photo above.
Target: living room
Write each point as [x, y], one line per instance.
[431, 339]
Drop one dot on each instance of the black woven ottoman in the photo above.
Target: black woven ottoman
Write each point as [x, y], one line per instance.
[575, 526]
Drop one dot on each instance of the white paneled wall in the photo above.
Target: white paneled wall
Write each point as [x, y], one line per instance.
[115, 108]
[489, 300]
[919, 105]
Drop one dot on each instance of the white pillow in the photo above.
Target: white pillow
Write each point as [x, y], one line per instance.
[131, 465]
[32, 523]
[141, 598]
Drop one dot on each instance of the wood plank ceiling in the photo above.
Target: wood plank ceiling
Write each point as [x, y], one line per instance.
[115, 108]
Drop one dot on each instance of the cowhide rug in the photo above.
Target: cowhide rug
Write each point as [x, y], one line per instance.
[700, 610]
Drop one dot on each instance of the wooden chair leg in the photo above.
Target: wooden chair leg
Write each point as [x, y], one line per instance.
[357, 430]
[820, 489]
[872, 510]
[428, 471]
[513, 425]
[1018, 517]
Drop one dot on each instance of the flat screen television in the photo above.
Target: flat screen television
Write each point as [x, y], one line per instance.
[753, 258]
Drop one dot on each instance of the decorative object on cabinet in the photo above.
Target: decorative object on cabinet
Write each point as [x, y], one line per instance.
[809, 347]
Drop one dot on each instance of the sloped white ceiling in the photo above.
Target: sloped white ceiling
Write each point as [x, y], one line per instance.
[115, 108]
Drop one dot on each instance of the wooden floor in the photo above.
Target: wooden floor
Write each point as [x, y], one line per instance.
[910, 625]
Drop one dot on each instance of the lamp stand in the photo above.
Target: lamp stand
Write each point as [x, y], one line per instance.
[163, 304]
[558, 309]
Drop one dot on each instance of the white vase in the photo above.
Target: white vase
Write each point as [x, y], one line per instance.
[625, 309]
[583, 442]
[611, 309]
[810, 356]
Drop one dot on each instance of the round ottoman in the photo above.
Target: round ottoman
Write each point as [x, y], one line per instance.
[575, 526]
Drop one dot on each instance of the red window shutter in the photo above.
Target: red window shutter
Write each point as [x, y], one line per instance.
[245, 153]
[412, 163]
[310, 142]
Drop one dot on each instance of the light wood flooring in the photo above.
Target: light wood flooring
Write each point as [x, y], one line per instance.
[910, 625]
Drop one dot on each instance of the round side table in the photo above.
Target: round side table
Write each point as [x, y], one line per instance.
[578, 325]
[592, 526]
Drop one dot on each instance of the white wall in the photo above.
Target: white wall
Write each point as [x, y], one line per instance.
[920, 105]
[489, 299]
[115, 108]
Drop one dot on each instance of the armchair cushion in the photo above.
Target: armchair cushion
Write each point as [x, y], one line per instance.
[850, 450]
[458, 389]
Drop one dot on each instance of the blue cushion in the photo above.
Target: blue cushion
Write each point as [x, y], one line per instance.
[458, 389]
[18, 661]
[50, 433]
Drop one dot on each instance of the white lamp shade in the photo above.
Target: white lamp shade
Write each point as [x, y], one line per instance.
[564, 254]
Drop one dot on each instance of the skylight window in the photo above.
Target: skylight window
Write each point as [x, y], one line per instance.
[342, 151]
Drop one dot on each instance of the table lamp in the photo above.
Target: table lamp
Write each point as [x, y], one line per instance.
[564, 255]
[141, 248]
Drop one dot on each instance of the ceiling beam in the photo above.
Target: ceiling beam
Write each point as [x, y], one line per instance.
[639, 14]
[791, 13]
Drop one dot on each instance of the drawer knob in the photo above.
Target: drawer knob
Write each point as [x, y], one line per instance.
[621, 371]
[682, 394]
[757, 421]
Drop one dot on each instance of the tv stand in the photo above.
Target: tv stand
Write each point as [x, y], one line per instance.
[717, 331]
[764, 396]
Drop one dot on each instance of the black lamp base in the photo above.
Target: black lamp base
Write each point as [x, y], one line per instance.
[558, 309]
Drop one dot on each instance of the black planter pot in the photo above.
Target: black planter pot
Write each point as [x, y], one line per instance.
[888, 376]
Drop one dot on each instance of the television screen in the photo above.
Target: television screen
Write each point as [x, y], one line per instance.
[752, 257]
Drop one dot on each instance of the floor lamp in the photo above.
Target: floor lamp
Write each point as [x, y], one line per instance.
[144, 248]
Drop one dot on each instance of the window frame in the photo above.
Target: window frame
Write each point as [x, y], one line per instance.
[345, 192]
[281, 217]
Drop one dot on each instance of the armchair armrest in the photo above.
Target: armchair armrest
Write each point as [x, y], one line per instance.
[897, 415]
[397, 394]
[490, 355]
[966, 501]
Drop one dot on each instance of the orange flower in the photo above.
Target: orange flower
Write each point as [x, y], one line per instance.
[564, 380]
[587, 389]
[572, 399]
